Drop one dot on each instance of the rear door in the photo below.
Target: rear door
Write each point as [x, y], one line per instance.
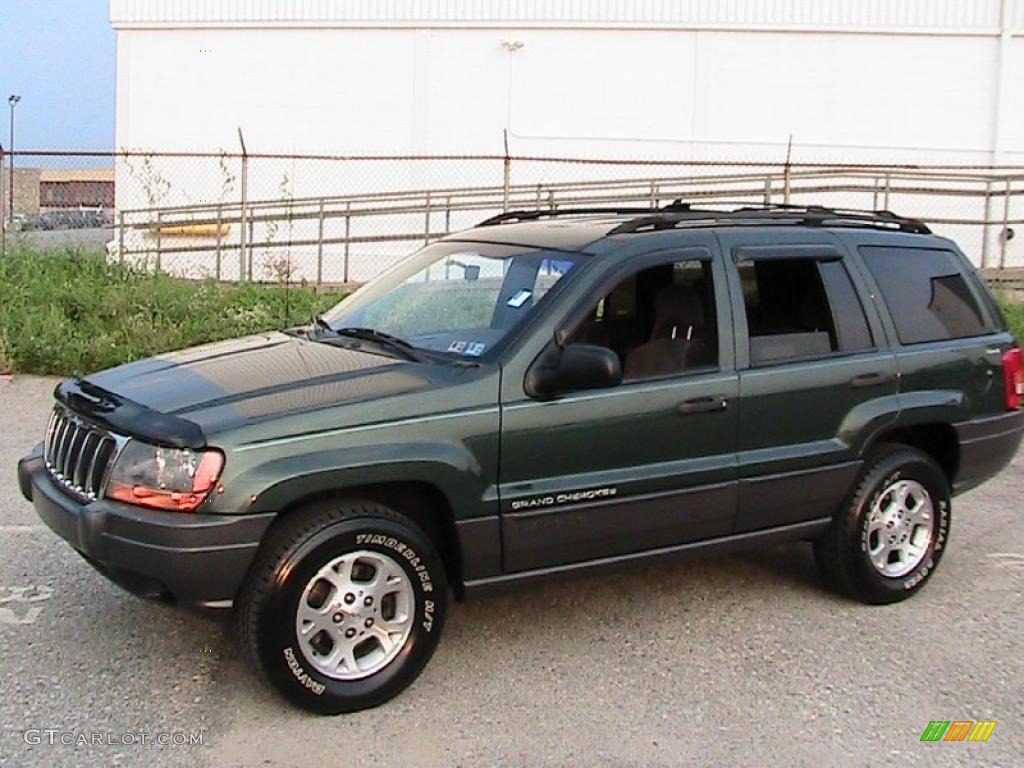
[814, 374]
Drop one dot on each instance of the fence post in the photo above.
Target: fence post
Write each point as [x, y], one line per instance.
[120, 235]
[320, 246]
[220, 217]
[448, 215]
[785, 171]
[243, 214]
[507, 176]
[768, 189]
[888, 187]
[348, 229]
[1006, 225]
[426, 224]
[159, 238]
[985, 225]
[248, 245]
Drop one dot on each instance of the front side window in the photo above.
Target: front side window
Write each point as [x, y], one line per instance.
[926, 293]
[660, 321]
[800, 309]
[459, 298]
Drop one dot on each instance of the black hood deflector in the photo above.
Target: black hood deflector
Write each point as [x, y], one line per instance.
[126, 417]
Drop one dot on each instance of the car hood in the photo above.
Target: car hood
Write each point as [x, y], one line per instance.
[221, 385]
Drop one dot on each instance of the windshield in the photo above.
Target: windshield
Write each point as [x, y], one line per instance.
[459, 298]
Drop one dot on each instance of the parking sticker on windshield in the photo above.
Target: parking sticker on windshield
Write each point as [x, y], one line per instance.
[520, 298]
[472, 348]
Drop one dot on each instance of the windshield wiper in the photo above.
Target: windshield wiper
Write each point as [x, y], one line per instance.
[323, 325]
[394, 343]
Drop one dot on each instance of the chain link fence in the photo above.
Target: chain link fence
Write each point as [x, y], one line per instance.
[328, 219]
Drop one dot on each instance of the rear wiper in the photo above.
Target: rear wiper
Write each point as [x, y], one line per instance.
[394, 343]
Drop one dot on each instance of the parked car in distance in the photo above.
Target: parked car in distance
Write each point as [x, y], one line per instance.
[545, 395]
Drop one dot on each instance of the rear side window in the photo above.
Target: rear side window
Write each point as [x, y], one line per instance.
[800, 309]
[926, 292]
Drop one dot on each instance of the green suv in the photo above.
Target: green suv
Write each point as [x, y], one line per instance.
[546, 395]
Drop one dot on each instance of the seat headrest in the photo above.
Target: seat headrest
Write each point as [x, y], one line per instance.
[678, 306]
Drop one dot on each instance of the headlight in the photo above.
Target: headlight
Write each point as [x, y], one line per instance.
[164, 478]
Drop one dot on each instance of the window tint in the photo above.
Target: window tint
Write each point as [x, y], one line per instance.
[852, 332]
[926, 293]
[660, 321]
[801, 308]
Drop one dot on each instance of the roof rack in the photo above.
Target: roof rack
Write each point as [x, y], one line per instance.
[544, 213]
[681, 213]
[793, 215]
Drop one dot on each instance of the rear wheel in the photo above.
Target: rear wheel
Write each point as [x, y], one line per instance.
[889, 537]
[344, 606]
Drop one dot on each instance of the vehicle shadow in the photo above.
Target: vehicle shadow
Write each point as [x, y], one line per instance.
[700, 585]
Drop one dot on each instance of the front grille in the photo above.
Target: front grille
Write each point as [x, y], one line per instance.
[78, 454]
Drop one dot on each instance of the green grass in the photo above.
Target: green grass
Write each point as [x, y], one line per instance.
[71, 312]
[1014, 312]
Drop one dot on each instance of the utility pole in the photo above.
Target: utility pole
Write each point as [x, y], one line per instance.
[13, 100]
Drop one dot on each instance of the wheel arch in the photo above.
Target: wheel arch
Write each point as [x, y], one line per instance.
[421, 501]
[937, 439]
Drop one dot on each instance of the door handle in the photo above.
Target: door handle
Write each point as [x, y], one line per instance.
[874, 379]
[710, 404]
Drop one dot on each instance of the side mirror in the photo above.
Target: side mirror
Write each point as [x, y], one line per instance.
[572, 368]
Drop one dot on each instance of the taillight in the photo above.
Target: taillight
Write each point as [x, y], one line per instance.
[1013, 378]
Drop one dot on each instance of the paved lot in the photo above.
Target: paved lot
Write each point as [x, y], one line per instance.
[736, 661]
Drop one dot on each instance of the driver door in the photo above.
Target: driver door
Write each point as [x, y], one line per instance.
[647, 464]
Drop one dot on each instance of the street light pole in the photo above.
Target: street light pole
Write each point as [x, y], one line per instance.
[13, 100]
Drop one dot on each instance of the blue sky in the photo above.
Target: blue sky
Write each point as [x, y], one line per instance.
[59, 56]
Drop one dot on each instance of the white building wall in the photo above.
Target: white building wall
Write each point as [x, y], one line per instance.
[578, 92]
[850, 79]
[904, 81]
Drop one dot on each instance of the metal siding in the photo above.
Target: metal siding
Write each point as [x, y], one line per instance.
[883, 15]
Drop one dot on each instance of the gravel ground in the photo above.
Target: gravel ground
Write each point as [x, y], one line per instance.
[742, 660]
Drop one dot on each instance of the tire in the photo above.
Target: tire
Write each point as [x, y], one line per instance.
[327, 561]
[880, 547]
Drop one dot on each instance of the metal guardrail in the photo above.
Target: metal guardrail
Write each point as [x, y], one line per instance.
[244, 228]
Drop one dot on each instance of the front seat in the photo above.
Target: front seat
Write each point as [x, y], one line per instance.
[676, 338]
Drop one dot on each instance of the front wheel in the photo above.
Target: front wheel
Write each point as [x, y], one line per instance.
[344, 606]
[887, 541]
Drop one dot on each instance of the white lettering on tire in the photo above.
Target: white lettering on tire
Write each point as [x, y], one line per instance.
[300, 673]
[426, 584]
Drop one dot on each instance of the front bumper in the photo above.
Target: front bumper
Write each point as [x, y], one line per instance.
[195, 560]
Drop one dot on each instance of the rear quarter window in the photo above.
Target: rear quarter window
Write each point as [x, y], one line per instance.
[927, 293]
